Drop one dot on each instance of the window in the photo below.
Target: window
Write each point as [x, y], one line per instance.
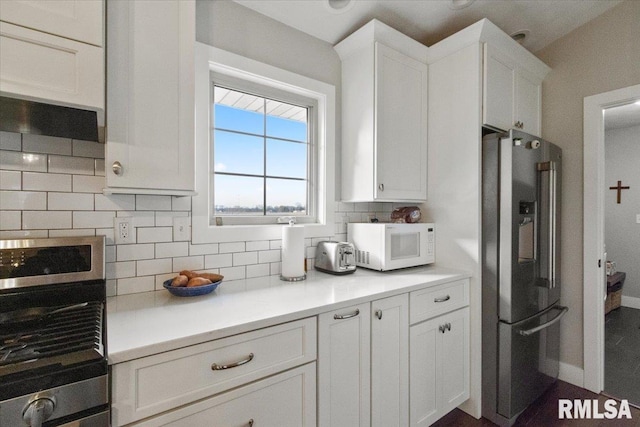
[264, 150]
[263, 154]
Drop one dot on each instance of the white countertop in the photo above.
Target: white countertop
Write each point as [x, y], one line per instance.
[147, 323]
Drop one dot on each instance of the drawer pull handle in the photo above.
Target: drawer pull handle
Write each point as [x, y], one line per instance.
[346, 316]
[442, 299]
[216, 367]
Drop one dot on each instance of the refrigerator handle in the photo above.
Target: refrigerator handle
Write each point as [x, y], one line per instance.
[550, 167]
[563, 311]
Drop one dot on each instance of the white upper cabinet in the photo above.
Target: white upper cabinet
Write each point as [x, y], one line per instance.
[512, 95]
[150, 97]
[52, 52]
[384, 116]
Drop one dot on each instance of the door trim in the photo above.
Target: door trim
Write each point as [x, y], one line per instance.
[593, 242]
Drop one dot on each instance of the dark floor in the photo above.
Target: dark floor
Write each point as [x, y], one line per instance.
[622, 354]
[544, 412]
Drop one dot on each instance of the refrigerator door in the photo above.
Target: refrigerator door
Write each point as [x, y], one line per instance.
[529, 198]
[528, 359]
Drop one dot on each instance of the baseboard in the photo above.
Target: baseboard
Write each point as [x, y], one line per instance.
[631, 302]
[571, 374]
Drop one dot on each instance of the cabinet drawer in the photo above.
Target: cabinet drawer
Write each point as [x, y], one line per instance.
[147, 386]
[284, 400]
[430, 302]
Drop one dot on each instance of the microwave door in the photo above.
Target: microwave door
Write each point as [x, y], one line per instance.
[404, 249]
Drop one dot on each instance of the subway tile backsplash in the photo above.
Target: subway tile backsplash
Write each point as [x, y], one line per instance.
[52, 187]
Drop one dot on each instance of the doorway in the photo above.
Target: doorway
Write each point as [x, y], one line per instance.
[594, 256]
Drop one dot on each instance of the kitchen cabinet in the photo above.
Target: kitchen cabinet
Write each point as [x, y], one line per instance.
[363, 364]
[439, 366]
[512, 95]
[53, 52]
[148, 386]
[384, 116]
[439, 351]
[150, 97]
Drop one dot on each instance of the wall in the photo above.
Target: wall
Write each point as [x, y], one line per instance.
[53, 186]
[600, 56]
[622, 233]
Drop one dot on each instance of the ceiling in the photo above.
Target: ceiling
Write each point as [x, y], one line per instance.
[429, 21]
[622, 116]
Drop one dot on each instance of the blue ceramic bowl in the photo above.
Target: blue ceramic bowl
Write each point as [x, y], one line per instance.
[183, 291]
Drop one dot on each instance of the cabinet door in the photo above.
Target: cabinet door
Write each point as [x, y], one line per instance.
[390, 362]
[453, 362]
[499, 90]
[79, 20]
[284, 400]
[400, 126]
[528, 102]
[423, 400]
[344, 367]
[150, 96]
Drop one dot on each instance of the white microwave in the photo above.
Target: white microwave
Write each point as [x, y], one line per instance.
[388, 246]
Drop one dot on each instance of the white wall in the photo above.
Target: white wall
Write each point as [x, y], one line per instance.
[622, 233]
[598, 57]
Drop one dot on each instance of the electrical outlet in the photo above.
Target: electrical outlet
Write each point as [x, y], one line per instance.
[181, 228]
[123, 230]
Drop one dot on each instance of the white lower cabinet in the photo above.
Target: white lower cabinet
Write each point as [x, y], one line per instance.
[363, 364]
[439, 366]
[284, 400]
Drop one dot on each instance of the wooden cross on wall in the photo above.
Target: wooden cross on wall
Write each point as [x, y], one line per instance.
[619, 188]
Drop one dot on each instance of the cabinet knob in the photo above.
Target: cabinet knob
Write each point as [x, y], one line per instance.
[379, 314]
[117, 168]
[381, 187]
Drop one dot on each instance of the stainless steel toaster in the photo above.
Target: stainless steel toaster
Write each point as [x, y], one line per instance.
[335, 257]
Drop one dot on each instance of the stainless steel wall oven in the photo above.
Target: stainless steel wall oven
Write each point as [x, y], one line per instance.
[53, 358]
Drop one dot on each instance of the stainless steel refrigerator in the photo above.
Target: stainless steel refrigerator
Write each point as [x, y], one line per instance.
[521, 278]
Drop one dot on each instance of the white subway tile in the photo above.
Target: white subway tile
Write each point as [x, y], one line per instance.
[71, 165]
[258, 245]
[361, 207]
[135, 284]
[161, 278]
[107, 233]
[135, 252]
[258, 270]
[10, 141]
[17, 161]
[217, 261]
[245, 258]
[346, 207]
[73, 232]
[115, 202]
[170, 250]
[153, 203]
[233, 273]
[88, 149]
[10, 180]
[109, 253]
[112, 288]
[165, 218]
[275, 267]
[10, 220]
[275, 244]
[88, 184]
[99, 167]
[23, 200]
[208, 249]
[269, 256]
[310, 252]
[140, 219]
[118, 270]
[93, 219]
[154, 234]
[188, 263]
[38, 220]
[70, 202]
[226, 248]
[46, 181]
[181, 203]
[23, 234]
[154, 266]
[33, 143]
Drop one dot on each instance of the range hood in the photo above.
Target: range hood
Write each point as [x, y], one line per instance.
[22, 116]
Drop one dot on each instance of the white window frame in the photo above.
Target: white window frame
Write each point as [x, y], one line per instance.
[210, 59]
